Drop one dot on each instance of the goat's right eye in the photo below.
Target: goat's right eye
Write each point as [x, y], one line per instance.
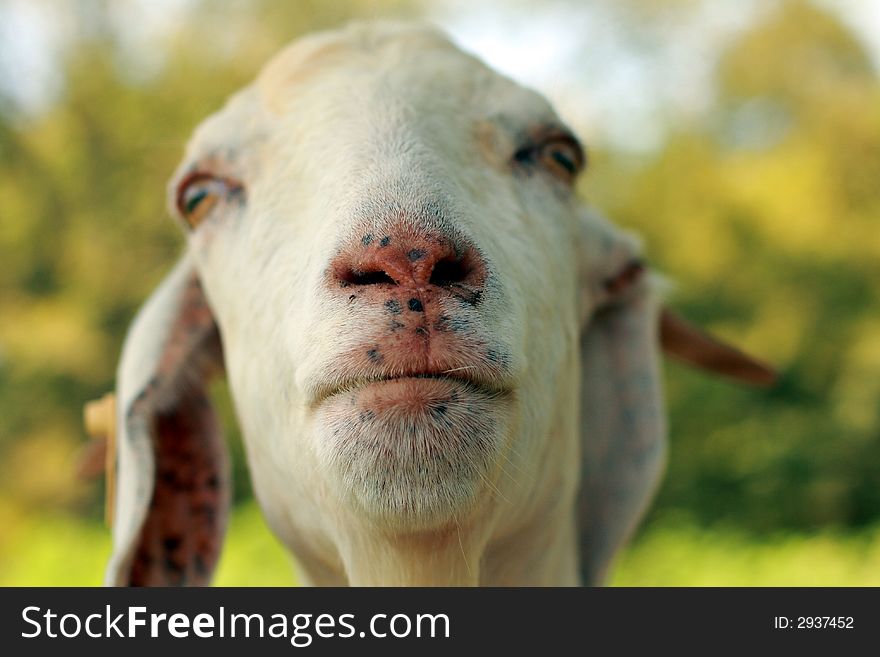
[198, 193]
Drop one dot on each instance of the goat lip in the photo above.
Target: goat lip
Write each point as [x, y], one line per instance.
[328, 391]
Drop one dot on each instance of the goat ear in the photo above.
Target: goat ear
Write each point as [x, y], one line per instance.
[622, 418]
[623, 427]
[173, 480]
[687, 343]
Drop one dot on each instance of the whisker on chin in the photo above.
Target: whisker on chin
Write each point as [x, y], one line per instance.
[494, 491]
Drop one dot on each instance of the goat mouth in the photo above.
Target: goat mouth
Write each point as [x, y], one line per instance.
[412, 380]
[414, 450]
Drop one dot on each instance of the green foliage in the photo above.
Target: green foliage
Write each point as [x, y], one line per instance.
[762, 209]
[764, 213]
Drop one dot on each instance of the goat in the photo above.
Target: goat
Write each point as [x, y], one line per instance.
[444, 365]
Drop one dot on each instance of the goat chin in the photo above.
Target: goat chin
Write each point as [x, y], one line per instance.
[413, 453]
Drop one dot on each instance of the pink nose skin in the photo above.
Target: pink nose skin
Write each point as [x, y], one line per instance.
[410, 272]
[414, 298]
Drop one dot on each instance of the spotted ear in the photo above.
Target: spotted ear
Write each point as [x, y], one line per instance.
[623, 426]
[172, 466]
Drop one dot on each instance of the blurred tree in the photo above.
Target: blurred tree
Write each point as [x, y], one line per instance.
[765, 213]
[84, 236]
[763, 209]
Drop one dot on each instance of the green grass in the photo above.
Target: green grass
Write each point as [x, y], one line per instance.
[682, 555]
[60, 550]
[44, 550]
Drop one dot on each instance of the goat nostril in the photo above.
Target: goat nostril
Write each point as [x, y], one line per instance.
[353, 277]
[411, 261]
[449, 271]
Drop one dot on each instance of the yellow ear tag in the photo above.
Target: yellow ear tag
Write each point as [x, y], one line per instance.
[99, 417]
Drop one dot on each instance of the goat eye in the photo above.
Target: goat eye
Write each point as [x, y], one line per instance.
[563, 157]
[199, 193]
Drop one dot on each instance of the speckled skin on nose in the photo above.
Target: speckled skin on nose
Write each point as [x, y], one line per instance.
[424, 282]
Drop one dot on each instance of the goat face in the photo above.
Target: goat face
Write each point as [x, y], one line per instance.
[392, 268]
[382, 231]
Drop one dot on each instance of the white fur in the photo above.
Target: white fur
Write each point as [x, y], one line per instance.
[345, 133]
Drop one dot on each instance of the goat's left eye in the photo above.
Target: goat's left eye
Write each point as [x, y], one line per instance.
[200, 192]
[563, 157]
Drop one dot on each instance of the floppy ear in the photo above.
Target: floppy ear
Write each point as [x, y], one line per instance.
[173, 481]
[623, 421]
[623, 428]
[622, 418]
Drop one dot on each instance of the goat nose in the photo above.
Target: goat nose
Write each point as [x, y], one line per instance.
[411, 260]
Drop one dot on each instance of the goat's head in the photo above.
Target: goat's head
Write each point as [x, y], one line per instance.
[383, 232]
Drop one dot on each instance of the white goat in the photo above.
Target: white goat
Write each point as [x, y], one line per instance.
[444, 365]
